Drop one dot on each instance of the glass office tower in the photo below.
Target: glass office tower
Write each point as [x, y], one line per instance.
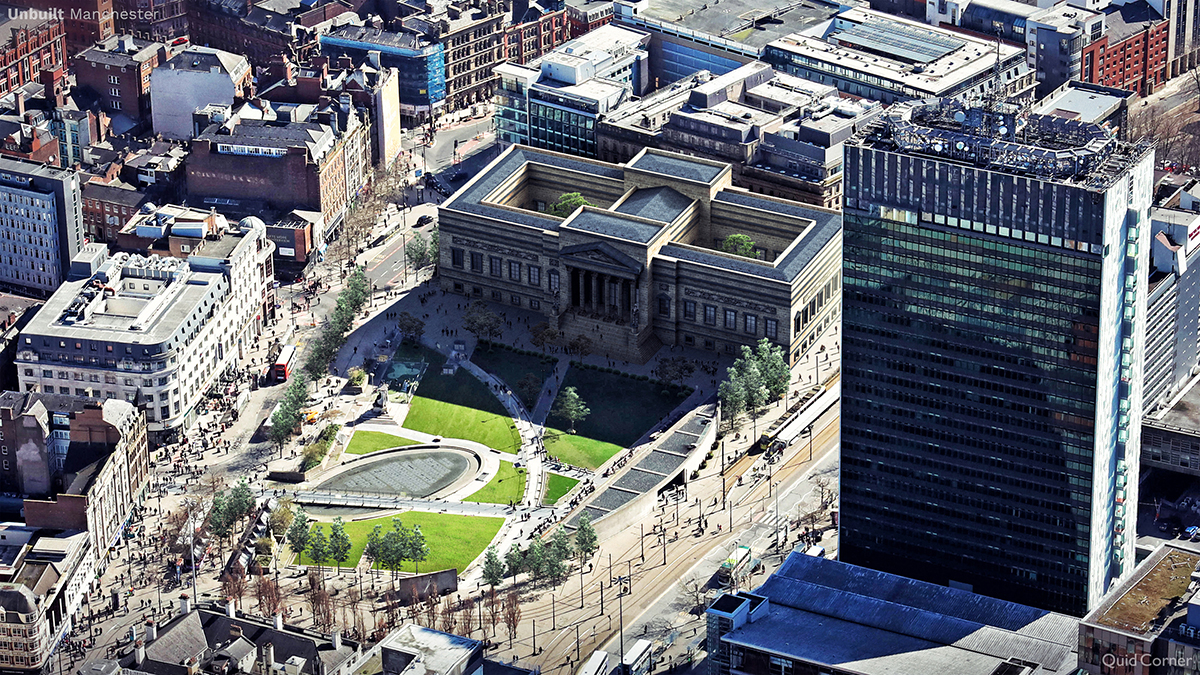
[993, 310]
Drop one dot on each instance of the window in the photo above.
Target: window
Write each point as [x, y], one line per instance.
[476, 291]
[458, 287]
[164, 412]
[664, 307]
[772, 328]
[497, 296]
[689, 340]
[535, 275]
[476, 262]
[731, 319]
[535, 304]
[553, 281]
[710, 315]
[47, 373]
[689, 310]
[514, 270]
[750, 324]
[516, 300]
[456, 257]
[496, 265]
[114, 79]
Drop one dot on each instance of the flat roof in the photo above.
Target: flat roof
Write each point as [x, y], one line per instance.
[612, 224]
[1084, 104]
[1134, 606]
[661, 203]
[677, 167]
[744, 21]
[902, 41]
[855, 619]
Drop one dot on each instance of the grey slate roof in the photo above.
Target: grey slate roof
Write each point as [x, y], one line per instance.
[661, 203]
[613, 225]
[677, 167]
[469, 197]
[827, 612]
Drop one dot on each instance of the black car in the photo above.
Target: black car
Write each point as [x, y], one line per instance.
[1171, 525]
[424, 220]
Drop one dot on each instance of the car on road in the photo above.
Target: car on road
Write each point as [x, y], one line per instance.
[424, 220]
[1191, 532]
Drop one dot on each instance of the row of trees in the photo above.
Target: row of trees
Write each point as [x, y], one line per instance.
[756, 378]
[227, 511]
[543, 336]
[387, 185]
[542, 561]
[391, 549]
[321, 548]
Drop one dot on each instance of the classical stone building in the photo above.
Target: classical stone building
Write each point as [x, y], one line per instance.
[640, 266]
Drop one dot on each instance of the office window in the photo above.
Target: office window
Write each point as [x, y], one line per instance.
[710, 315]
[496, 265]
[476, 262]
[664, 307]
[514, 270]
[772, 328]
[535, 275]
[457, 257]
[689, 310]
[751, 324]
[731, 319]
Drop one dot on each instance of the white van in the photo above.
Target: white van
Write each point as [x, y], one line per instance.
[816, 551]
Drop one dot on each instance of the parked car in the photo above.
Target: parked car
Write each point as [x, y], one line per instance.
[1191, 532]
[424, 220]
[1170, 524]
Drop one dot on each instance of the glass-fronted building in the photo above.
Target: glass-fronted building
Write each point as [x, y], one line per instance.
[993, 346]
[420, 64]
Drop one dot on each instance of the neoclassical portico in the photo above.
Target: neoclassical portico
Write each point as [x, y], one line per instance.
[602, 282]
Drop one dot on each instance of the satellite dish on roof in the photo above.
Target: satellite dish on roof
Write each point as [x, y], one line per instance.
[959, 116]
[960, 145]
[1003, 130]
[937, 147]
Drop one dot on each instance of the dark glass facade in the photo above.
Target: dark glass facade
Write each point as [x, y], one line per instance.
[969, 393]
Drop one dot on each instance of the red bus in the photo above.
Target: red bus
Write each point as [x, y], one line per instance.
[283, 364]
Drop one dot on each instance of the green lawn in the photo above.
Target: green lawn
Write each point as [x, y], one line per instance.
[454, 541]
[511, 367]
[458, 405]
[365, 442]
[622, 409]
[508, 485]
[556, 486]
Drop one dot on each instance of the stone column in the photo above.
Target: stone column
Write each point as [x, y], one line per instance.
[573, 281]
[595, 292]
[626, 304]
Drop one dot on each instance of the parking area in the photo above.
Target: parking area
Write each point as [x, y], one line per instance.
[1168, 508]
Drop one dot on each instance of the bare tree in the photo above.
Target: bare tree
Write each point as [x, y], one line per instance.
[467, 616]
[321, 605]
[695, 592]
[433, 606]
[414, 605]
[270, 600]
[493, 608]
[512, 615]
[235, 584]
[449, 618]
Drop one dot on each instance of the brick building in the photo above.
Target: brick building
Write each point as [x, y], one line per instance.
[584, 16]
[84, 21]
[107, 207]
[118, 70]
[30, 45]
[156, 20]
[262, 31]
[1132, 55]
[534, 31]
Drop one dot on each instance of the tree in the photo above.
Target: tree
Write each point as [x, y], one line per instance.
[410, 327]
[281, 517]
[586, 541]
[270, 599]
[514, 560]
[696, 592]
[512, 615]
[493, 567]
[773, 367]
[481, 322]
[675, 369]
[467, 616]
[738, 244]
[449, 617]
[528, 389]
[339, 543]
[418, 550]
[220, 524]
[235, 583]
[417, 251]
[432, 606]
[374, 547]
[298, 534]
[535, 559]
[493, 607]
[318, 547]
[435, 244]
[241, 500]
[733, 399]
[570, 407]
[567, 204]
[542, 335]
[560, 544]
[581, 345]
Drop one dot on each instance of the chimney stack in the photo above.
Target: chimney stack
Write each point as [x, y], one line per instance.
[139, 653]
[229, 608]
[20, 103]
[151, 630]
[337, 638]
[235, 631]
[278, 621]
[185, 604]
[269, 655]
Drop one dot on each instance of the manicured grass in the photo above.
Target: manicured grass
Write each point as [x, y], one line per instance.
[622, 409]
[508, 485]
[453, 540]
[512, 367]
[458, 405]
[364, 442]
[556, 486]
[579, 450]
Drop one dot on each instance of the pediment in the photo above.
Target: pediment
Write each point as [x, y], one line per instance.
[600, 255]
